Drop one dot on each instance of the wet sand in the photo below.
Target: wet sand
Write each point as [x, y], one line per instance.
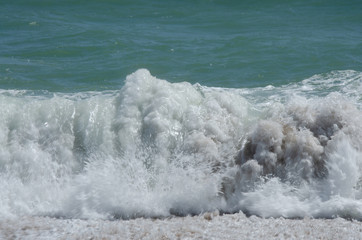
[206, 226]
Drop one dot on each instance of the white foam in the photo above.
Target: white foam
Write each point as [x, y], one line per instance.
[154, 149]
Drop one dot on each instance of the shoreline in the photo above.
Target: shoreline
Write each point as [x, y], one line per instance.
[205, 226]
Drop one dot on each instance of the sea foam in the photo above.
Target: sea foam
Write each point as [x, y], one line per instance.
[155, 149]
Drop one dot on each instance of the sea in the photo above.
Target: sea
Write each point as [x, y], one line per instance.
[118, 110]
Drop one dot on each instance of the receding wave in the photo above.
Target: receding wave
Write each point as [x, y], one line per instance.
[155, 149]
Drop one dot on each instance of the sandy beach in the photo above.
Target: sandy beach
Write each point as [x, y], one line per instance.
[206, 226]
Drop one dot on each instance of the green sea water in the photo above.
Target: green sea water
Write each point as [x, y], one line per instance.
[72, 46]
[125, 109]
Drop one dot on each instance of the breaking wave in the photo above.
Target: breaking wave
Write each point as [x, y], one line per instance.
[155, 149]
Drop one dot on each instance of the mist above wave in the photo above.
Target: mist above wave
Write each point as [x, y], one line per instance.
[156, 148]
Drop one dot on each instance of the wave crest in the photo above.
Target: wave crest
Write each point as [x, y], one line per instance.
[157, 148]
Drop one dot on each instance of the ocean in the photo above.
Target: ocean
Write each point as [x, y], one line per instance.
[118, 110]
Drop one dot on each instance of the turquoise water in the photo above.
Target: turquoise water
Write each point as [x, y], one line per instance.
[126, 109]
[71, 46]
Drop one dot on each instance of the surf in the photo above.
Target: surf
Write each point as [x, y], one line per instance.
[156, 149]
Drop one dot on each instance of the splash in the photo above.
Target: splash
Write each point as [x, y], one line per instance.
[155, 149]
